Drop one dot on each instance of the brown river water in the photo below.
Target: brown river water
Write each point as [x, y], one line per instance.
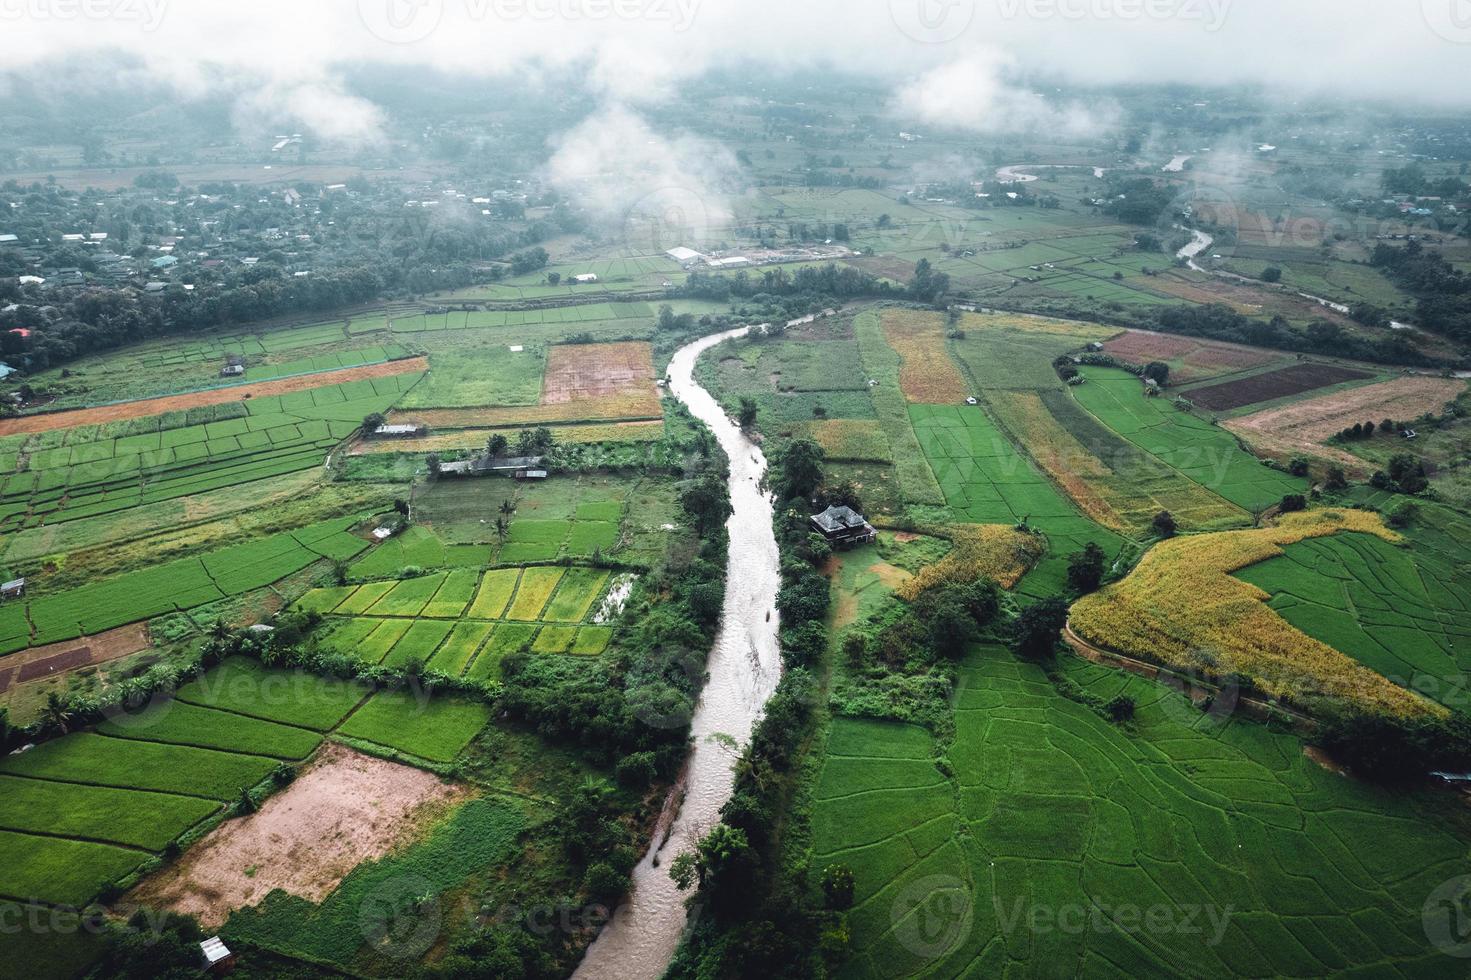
[744, 667]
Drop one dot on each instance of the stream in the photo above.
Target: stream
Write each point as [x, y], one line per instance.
[744, 667]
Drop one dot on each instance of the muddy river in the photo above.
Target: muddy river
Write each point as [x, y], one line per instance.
[744, 668]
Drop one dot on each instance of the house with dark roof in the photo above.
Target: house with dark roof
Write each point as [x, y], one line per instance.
[843, 527]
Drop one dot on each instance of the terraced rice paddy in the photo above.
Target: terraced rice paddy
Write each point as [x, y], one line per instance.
[82, 469]
[1175, 848]
[171, 586]
[85, 810]
[1401, 610]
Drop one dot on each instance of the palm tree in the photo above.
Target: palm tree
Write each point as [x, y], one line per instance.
[507, 507]
[502, 528]
[57, 714]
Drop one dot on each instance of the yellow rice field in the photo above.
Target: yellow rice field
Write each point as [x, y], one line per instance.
[1182, 607]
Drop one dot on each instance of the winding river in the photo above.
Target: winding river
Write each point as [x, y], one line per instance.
[744, 667]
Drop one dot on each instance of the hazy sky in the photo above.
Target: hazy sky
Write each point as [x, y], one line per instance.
[949, 60]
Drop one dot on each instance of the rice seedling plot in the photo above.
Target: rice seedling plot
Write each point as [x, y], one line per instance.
[437, 729]
[178, 723]
[1283, 868]
[554, 639]
[453, 596]
[495, 592]
[591, 641]
[535, 588]
[987, 481]
[408, 597]
[127, 817]
[562, 518]
[534, 540]
[507, 639]
[292, 698]
[574, 599]
[460, 647]
[480, 835]
[1282, 383]
[98, 760]
[471, 378]
[1182, 606]
[1205, 453]
[174, 586]
[112, 466]
[1401, 611]
[376, 645]
[418, 644]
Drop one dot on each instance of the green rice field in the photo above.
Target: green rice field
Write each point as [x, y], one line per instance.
[1241, 855]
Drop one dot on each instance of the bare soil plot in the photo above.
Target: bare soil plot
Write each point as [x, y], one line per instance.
[1284, 383]
[53, 659]
[346, 808]
[1305, 425]
[214, 396]
[577, 372]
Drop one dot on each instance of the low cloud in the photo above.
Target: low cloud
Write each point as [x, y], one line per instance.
[659, 190]
[973, 94]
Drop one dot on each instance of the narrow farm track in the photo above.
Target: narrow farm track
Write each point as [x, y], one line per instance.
[743, 669]
[26, 424]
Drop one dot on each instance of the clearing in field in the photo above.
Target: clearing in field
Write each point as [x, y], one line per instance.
[344, 809]
[1304, 426]
[1181, 606]
[1282, 383]
[927, 373]
[217, 396]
